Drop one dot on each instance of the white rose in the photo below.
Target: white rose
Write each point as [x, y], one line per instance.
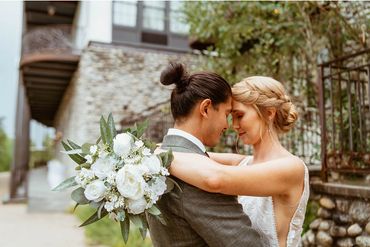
[153, 163]
[93, 149]
[159, 186]
[146, 152]
[122, 144]
[102, 167]
[136, 206]
[130, 183]
[89, 159]
[139, 143]
[95, 191]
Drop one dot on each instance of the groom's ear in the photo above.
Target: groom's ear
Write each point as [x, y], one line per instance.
[204, 107]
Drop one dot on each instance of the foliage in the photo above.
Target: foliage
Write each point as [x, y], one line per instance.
[278, 39]
[311, 211]
[5, 150]
[104, 232]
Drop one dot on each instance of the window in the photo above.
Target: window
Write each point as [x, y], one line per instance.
[154, 15]
[177, 18]
[124, 13]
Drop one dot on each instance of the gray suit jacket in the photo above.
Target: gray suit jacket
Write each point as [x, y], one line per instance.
[197, 218]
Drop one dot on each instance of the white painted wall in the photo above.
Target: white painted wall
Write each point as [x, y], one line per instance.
[93, 22]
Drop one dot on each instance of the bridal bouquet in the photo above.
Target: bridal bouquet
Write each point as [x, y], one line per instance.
[119, 176]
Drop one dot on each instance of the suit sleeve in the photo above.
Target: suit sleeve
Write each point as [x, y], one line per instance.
[219, 219]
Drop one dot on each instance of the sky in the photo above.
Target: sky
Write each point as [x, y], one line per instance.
[10, 46]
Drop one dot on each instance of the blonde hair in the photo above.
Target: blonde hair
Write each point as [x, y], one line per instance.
[263, 93]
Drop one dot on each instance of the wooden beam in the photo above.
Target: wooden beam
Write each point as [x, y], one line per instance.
[49, 57]
[47, 72]
[45, 80]
[54, 65]
[44, 18]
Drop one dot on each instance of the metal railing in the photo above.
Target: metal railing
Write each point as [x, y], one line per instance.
[344, 104]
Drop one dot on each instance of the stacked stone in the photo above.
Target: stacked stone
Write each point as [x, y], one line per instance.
[342, 222]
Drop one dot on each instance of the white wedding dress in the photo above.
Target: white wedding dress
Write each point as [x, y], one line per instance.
[261, 212]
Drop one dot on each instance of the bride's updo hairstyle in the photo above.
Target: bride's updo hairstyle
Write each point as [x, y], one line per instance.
[263, 93]
[192, 88]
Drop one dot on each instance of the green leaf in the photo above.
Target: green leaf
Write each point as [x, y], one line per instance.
[74, 208]
[136, 219]
[174, 182]
[86, 148]
[69, 182]
[78, 196]
[144, 229]
[141, 127]
[149, 144]
[111, 126]
[98, 140]
[100, 209]
[73, 145]
[166, 158]
[154, 210]
[125, 229]
[161, 219]
[103, 130]
[170, 186]
[75, 157]
[93, 218]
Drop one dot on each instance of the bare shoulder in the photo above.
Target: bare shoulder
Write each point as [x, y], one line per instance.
[293, 166]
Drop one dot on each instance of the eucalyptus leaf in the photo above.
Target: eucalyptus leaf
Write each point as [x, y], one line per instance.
[125, 229]
[98, 140]
[78, 196]
[174, 182]
[103, 130]
[86, 148]
[69, 182]
[154, 210]
[170, 186]
[141, 128]
[100, 209]
[75, 157]
[144, 229]
[73, 145]
[74, 208]
[136, 219]
[111, 126]
[93, 218]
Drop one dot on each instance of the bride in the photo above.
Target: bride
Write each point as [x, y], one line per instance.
[273, 184]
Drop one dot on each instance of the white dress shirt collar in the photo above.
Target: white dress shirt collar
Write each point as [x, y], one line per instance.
[186, 135]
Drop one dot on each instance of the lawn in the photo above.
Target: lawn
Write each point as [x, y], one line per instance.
[107, 232]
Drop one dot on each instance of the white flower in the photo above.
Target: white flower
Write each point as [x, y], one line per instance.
[89, 159]
[93, 149]
[130, 183]
[102, 154]
[103, 167]
[111, 178]
[109, 206]
[136, 206]
[86, 174]
[122, 144]
[159, 186]
[153, 163]
[95, 191]
[164, 172]
[146, 152]
[139, 144]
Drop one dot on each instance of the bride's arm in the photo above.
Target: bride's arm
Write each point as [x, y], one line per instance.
[264, 179]
[229, 159]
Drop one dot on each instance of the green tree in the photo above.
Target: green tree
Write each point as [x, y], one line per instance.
[278, 39]
[5, 149]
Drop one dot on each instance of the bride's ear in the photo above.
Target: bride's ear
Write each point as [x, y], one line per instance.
[271, 112]
[204, 107]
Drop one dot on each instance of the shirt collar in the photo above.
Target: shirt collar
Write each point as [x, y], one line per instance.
[188, 136]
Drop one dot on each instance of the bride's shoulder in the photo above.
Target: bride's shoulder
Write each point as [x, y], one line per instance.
[246, 160]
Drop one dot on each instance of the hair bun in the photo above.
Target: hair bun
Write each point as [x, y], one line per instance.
[174, 73]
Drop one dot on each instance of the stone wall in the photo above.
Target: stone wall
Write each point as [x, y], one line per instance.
[117, 79]
[342, 221]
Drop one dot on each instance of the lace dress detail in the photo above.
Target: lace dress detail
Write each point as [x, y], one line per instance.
[261, 212]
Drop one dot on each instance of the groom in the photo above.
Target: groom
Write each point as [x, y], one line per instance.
[200, 104]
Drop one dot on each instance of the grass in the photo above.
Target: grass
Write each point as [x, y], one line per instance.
[107, 232]
[310, 216]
